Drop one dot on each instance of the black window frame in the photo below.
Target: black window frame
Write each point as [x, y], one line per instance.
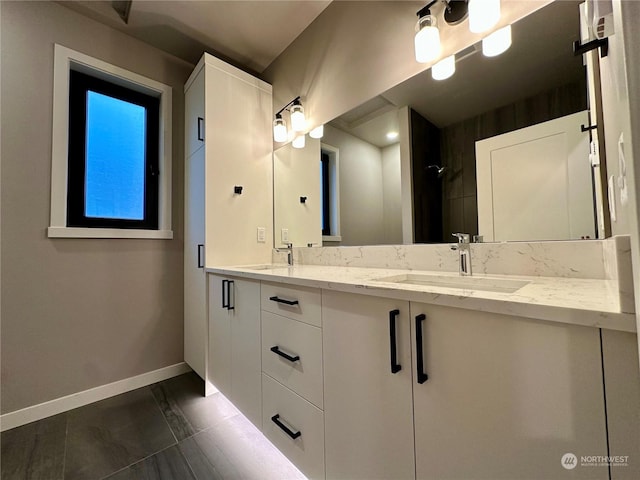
[79, 84]
[326, 194]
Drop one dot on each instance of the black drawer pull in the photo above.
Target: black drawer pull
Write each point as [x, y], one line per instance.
[422, 376]
[277, 350]
[200, 124]
[231, 306]
[286, 302]
[395, 366]
[293, 435]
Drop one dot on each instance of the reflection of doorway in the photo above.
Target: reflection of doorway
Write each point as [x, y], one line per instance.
[535, 183]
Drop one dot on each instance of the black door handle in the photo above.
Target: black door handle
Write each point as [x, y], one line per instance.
[231, 306]
[286, 302]
[422, 376]
[277, 350]
[395, 366]
[200, 123]
[200, 255]
[225, 303]
[286, 430]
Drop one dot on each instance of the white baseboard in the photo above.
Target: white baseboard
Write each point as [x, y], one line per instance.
[53, 407]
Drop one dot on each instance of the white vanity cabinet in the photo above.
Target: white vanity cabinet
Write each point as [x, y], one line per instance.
[228, 185]
[234, 343]
[368, 405]
[501, 396]
[505, 397]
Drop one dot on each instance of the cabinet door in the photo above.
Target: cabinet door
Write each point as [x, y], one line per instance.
[194, 115]
[195, 288]
[505, 397]
[246, 346]
[219, 372]
[368, 409]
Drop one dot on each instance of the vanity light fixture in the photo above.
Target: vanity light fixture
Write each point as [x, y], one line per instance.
[483, 15]
[279, 129]
[317, 132]
[427, 39]
[299, 141]
[444, 68]
[296, 111]
[496, 43]
[297, 116]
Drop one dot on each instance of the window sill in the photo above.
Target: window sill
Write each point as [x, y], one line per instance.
[331, 238]
[69, 232]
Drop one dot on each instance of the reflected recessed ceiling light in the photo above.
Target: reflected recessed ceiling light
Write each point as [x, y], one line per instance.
[392, 135]
[444, 68]
[497, 43]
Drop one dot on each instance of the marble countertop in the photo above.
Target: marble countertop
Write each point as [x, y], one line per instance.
[588, 302]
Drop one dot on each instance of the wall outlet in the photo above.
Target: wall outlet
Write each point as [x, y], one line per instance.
[262, 235]
[285, 235]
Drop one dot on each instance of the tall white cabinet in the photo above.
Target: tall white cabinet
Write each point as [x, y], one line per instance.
[228, 185]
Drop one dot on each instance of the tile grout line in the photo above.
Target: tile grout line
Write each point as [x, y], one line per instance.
[155, 400]
[66, 437]
[137, 461]
[193, 472]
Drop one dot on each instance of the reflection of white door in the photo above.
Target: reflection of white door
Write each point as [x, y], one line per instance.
[535, 183]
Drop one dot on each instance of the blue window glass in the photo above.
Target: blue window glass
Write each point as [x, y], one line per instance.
[115, 158]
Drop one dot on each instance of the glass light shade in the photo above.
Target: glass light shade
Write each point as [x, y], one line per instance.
[298, 142]
[317, 132]
[279, 130]
[427, 39]
[444, 68]
[483, 15]
[497, 43]
[297, 118]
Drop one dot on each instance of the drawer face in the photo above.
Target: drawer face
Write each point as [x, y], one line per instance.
[295, 340]
[299, 303]
[297, 415]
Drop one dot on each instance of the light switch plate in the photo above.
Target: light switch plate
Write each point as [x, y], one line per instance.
[262, 235]
[285, 235]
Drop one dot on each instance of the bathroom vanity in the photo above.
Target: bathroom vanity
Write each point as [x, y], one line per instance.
[369, 372]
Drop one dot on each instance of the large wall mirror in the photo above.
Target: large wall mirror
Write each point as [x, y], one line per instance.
[496, 150]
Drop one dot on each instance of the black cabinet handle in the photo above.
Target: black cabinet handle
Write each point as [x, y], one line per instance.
[200, 123]
[277, 350]
[225, 291]
[422, 376]
[286, 302]
[200, 255]
[284, 428]
[231, 306]
[395, 366]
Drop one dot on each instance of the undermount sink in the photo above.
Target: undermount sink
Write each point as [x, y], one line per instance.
[487, 284]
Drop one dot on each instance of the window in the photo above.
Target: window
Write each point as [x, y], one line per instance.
[113, 155]
[330, 193]
[111, 151]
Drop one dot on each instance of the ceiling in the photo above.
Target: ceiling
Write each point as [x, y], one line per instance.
[540, 58]
[249, 34]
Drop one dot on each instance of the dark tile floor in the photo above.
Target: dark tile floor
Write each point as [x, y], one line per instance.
[165, 431]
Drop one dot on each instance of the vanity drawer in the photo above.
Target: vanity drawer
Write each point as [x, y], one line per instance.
[298, 303]
[303, 420]
[297, 362]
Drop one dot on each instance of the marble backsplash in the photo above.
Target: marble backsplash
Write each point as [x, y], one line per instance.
[597, 259]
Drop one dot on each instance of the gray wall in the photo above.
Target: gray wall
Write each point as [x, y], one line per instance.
[76, 313]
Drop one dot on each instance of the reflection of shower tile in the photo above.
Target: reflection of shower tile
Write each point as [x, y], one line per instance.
[453, 218]
[452, 151]
[470, 207]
